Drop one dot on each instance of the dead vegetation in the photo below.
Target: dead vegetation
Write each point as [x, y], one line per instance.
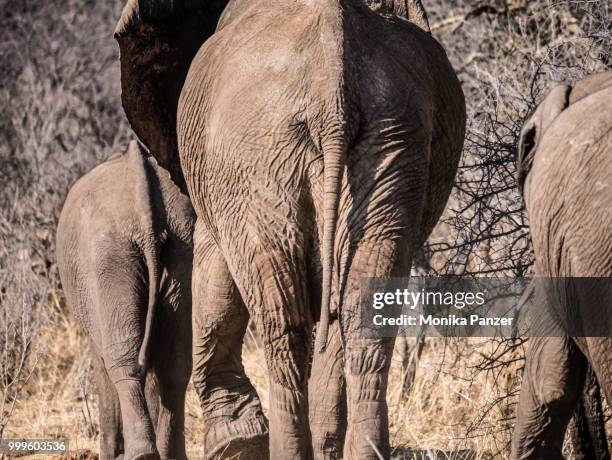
[59, 89]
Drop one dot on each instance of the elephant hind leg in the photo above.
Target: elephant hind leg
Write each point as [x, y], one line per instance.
[587, 432]
[172, 365]
[600, 357]
[111, 438]
[552, 384]
[120, 306]
[327, 398]
[137, 438]
[367, 360]
[274, 283]
[152, 396]
[233, 417]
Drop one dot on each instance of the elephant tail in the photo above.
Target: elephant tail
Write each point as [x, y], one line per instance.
[333, 164]
[149, 246]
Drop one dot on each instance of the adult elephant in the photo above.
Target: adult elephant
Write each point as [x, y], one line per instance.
[565, 173]
[319, 141]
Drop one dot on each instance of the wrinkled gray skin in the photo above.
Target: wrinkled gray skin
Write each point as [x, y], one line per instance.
[124, 249]
[565, 170]
[587, 430]
[318, 141]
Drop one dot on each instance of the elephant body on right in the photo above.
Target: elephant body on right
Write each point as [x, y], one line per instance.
[565, 171]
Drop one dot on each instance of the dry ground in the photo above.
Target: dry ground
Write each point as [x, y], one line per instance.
[445, 403]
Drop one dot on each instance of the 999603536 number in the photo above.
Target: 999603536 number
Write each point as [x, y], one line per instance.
[33, 446]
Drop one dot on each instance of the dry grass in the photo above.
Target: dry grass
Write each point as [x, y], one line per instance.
[444, 409]
[59, 400]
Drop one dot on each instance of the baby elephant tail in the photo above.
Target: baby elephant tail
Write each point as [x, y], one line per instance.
[149, 246]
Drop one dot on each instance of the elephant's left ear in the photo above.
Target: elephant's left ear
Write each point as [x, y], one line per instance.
[414, 11]
[525, 153]
[411, 10]
[549, 109]
[158, 40]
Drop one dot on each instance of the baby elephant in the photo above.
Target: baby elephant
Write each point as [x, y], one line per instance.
[124, 250]
[565, 172]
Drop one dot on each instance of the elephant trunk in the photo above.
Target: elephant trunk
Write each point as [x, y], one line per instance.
[333, 164]
[149, 246]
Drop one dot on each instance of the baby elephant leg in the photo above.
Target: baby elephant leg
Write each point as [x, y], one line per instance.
[170, 420]
[233, 417]
[171, 354]
[111, 439]
[367, 359]
[173, 369]
[119, 307]
[552, 384]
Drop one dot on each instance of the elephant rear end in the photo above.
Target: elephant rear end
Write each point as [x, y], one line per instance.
[565, 174]
[113, 217]
[568, 191]
[82, 231]
[102, 276]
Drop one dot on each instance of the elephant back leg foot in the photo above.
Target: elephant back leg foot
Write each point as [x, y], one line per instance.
[366, 370]
[367, 360]
[171, 370]
[119, 310]
[274, 284]
[173, 375]
[554, 375]
[234, 420]
[138, 431]
[111, 438]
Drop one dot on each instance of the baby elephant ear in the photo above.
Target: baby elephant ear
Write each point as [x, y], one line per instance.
[157, 41]
[549, 109]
